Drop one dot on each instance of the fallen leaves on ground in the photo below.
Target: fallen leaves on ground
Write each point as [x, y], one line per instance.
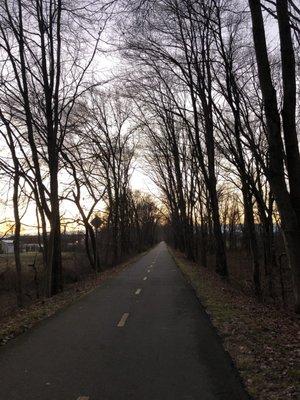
[262, 341]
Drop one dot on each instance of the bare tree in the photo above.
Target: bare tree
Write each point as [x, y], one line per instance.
[281, 153]
[43, 74]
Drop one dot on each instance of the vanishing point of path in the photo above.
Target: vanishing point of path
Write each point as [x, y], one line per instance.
[142, 335]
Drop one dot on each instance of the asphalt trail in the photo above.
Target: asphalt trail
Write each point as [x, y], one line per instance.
[131, 339]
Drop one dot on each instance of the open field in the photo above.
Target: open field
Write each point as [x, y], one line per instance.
[75, 266]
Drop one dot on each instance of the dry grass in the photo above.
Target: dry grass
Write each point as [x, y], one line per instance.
[75, 265]
[261, 339]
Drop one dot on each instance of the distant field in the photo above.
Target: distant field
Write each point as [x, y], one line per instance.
[75, 268]
[8, 260]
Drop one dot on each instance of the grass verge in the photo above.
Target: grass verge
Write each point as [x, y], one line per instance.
[261, 340]
[24, 319]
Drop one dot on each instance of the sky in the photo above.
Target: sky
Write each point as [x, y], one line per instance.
[108, 65]
[139, 181]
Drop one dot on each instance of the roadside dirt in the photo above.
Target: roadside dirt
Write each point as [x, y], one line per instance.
[262, 341]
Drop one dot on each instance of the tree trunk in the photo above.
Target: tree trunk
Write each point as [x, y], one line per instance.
[17, 231]
[251, 235]
[90, 241]
[288, 214]
[289, 104]
[203, 240]
[221, 261]
[54, 260]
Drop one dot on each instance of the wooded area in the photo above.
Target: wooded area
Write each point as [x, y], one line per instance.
[206, 99]
[64, 137]
[218, 105]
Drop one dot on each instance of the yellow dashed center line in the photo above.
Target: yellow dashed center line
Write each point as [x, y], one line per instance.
[123, 320]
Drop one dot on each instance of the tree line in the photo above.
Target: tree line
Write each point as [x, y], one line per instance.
[217, 87]
[211, 87]
[65, 138]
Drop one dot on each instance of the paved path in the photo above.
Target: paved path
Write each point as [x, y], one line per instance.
[141, 335]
